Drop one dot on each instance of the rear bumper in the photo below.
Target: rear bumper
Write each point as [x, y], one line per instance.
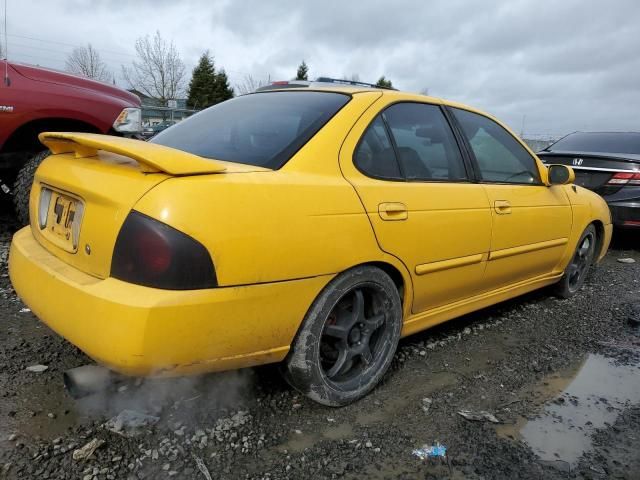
[137, 330]
[626, 214]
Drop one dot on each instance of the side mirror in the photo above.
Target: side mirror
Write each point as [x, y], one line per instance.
[561, 175]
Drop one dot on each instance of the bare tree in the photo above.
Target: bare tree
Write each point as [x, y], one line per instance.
[86, 61]
[159, 71]
[249, 85]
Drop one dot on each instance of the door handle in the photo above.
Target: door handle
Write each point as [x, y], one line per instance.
[502, 207]
[393, 211]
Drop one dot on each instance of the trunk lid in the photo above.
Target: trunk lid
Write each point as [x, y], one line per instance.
[592, 170]
[82, 193]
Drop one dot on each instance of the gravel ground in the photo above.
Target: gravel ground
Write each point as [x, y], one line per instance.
[537, 364]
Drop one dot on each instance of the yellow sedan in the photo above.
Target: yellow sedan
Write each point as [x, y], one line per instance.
[309, 223]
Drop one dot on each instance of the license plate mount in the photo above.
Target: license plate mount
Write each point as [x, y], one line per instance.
[64, 216]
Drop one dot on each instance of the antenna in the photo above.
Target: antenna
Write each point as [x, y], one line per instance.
[6, 48]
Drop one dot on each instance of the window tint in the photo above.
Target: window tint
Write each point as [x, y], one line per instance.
[500, 157]
[263, 129]
[427, 149]
[375, 156]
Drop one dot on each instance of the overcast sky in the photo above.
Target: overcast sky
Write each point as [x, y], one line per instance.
[559, 65]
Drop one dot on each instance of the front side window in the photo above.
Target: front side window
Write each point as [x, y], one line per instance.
[262, 129]
[500, 157]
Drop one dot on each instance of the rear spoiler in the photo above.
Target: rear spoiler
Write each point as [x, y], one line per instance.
[150, 156]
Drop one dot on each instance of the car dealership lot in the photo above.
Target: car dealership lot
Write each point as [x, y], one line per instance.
[526, 361]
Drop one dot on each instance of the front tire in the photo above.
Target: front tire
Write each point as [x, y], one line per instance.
[348, 338]
[22, 186]
[578, 269]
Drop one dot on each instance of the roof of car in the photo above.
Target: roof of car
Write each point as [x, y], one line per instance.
[351, 88]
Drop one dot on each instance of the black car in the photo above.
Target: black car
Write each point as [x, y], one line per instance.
[607, 163]
[152, 130]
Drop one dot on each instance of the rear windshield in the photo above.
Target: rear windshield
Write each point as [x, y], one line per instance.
[601, 142]
[262, 129]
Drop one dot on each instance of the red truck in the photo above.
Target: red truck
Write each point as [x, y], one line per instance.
[34, 100]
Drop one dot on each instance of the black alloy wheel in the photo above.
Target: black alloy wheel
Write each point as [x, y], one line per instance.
[350, 341]
[348, 338]
[578, 268]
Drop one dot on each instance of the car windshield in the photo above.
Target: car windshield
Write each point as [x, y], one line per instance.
[601, 142]
[262, 129]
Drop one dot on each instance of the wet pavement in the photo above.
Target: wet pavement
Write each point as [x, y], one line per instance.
[561, 376]
[594, 393]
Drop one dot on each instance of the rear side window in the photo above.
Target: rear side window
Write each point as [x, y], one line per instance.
[426, 147]
[500, 157]
[375, 156]
[262, 129]
[410, 141]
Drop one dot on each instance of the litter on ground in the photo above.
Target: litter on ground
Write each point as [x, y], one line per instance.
[478, 416]
[431, 451]
[88, 449]
[36, 368]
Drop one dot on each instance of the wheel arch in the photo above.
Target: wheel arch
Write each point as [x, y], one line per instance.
[400, 276]
[600, 235]
[393, 272]
[25, 137]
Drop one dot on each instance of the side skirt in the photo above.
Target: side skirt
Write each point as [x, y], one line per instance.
[423, 320]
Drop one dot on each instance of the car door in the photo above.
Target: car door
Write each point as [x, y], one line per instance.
[531, 221]
[406, 165]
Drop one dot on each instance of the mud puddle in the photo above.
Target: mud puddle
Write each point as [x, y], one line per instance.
[588, 397]
[299, 441]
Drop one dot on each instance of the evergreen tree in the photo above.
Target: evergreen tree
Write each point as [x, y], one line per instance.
[203, 86]
[384, 83]
[223, 90]
[303, 72]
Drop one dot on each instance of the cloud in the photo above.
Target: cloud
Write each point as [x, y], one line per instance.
[560, 66]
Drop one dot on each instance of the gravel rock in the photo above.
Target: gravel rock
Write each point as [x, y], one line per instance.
[37, 368]
[626, 260]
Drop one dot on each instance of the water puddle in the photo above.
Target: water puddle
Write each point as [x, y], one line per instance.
[591, 397]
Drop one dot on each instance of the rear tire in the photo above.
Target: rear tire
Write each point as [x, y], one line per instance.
[22, 186]
[581, 262]
[348, 338]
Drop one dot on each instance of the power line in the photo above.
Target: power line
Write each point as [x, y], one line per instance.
[46, 59]
[65, 53]
[70, 45]
[102, 51]
[57, 52]
[106, 54]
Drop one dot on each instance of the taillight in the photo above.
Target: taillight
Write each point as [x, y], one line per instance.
[153, 254]
[625, 178]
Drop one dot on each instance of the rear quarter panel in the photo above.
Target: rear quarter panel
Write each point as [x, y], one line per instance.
[266, 227]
